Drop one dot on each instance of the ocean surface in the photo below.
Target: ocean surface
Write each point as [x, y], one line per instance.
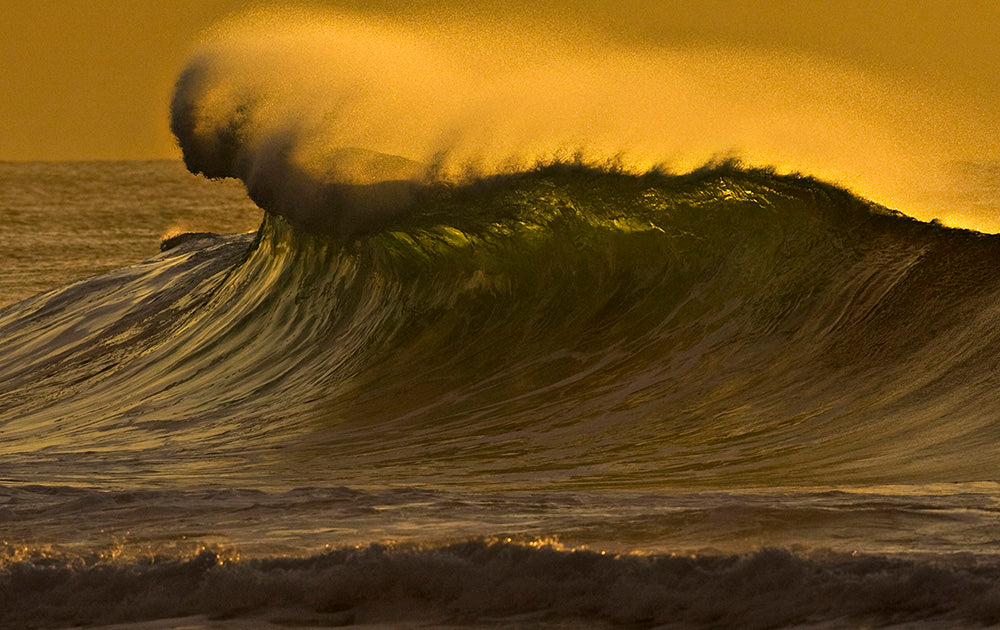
[566, 396]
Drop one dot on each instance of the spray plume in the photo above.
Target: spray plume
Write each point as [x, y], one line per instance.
[336, 120]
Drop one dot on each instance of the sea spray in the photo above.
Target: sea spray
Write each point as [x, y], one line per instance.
[294, 102]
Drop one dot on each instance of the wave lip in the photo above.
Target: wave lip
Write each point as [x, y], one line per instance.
[234, 117]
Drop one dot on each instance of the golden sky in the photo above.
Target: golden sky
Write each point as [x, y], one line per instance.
[88, 79]
[92, 79]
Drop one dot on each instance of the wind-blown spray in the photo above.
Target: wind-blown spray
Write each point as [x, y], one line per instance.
[298, 104]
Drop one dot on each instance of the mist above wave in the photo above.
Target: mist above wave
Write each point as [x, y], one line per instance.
[337, 119]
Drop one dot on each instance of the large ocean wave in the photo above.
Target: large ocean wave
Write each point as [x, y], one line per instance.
[590, 326]
[741, 397]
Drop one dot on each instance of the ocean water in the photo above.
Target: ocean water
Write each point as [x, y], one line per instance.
[64, 221]
[567, 396]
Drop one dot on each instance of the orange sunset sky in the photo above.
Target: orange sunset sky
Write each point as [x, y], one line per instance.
[91, 79]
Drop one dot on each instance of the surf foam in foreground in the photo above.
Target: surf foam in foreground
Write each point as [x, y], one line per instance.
[299, 103]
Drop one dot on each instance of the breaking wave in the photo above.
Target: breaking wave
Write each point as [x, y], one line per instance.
[517, 327]
[498, 584]
[591, 326]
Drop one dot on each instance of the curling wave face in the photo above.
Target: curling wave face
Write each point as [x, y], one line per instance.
[565, 327]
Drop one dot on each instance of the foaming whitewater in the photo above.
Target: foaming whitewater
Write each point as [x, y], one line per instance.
[567, 395]
[443, 387]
